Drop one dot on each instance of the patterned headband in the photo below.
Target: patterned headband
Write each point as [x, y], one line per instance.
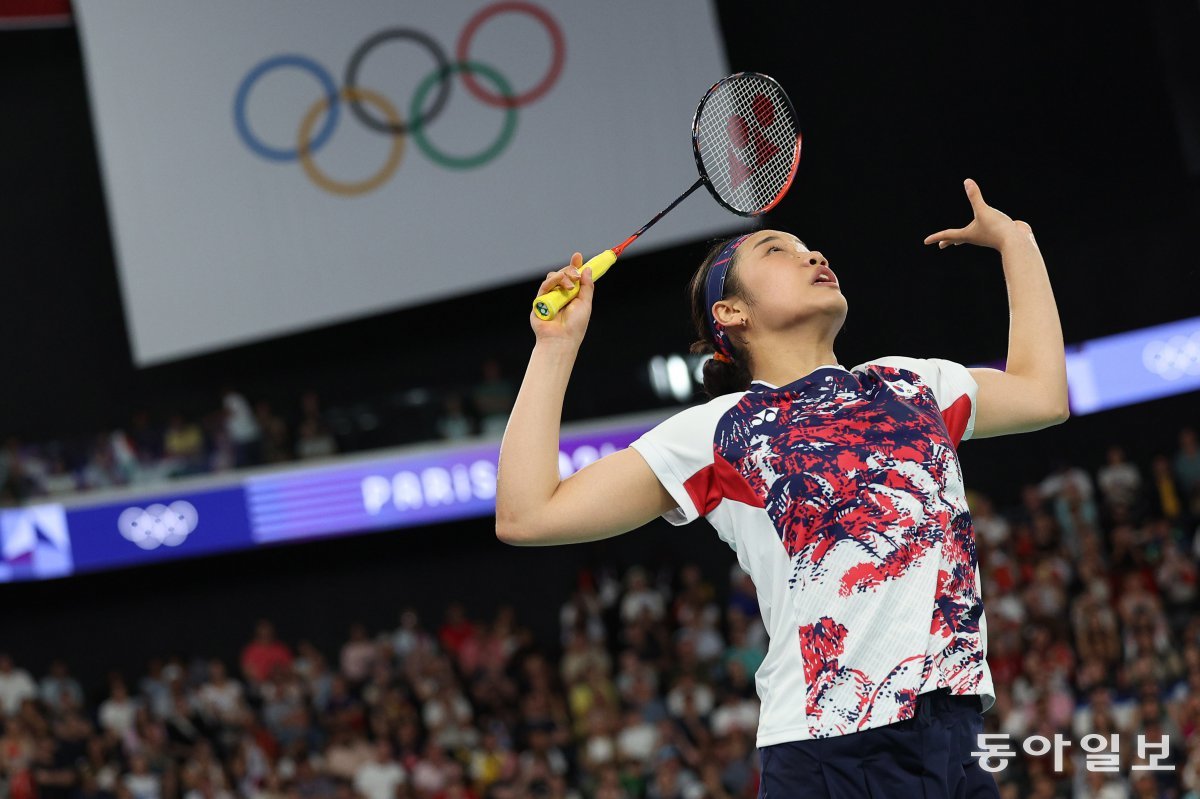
[715, 290]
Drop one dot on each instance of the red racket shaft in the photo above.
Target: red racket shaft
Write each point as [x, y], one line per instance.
[549, 304]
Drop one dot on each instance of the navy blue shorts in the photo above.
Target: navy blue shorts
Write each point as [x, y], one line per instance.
[925, 757]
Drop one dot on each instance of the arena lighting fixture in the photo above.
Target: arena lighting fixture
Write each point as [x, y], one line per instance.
[658, 377]
[671, 377]
[678, 378]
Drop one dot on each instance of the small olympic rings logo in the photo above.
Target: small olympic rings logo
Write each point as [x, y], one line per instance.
[377, 113]
[1177, 357]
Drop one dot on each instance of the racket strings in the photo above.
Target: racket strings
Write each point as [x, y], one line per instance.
[746, 135]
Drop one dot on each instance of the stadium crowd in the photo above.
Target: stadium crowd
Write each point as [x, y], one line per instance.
[236, 433]
[1090, 584]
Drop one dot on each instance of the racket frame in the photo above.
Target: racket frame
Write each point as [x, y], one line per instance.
[700, 161]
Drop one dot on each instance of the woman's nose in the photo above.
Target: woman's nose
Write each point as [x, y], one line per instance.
[816, 259]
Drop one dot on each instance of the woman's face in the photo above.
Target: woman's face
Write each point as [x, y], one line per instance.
[788, 282]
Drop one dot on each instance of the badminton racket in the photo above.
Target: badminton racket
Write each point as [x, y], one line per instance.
[746, 143]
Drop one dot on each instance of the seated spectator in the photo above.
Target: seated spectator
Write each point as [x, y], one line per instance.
[117, 713]
[276, 443]
[1168, 498]
[493, 398]
[59, 684]
[220, 700]
[1120, 481]
[456, 629]
[242, 428]
[358, 655]
[16, 685]
[381, 776]
[453, 422]
[183, 446]
[1187, 470]
[262, 655]
[314, 441]
[140, 781]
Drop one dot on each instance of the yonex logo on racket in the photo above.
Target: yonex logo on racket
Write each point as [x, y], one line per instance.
[373, 110]
[749, 140]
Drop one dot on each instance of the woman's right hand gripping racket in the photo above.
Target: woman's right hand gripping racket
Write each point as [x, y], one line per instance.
[571, 323]
[746, 142]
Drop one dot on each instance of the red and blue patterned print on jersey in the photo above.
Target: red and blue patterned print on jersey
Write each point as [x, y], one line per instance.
[840, 460]
[852, 470]
[842, 699]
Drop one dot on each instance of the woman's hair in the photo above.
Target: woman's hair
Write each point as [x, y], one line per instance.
[719, 377]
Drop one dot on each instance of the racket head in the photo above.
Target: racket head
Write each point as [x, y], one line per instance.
[746, 140]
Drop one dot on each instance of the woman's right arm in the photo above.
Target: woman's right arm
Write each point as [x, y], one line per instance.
[534, 507]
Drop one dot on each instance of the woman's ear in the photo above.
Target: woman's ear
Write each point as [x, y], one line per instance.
[728, 312]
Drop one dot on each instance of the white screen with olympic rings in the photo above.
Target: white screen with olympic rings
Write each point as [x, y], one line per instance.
[278, 165]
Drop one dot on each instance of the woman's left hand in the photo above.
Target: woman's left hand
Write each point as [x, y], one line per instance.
[990, 227]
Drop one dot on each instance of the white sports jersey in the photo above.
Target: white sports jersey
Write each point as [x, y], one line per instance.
[842, 495]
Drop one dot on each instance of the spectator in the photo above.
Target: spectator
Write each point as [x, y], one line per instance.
[641, 598]
[453, 423]
[380, 777]
[314, 441]
[117, 713]
[493, 398]
[1187, 470]
[242, 428]
[358, 655]
[140, 781]
[183, 446]
[1167, 495]
[1119, 481]
[456, 629]
[276, 446]
[16, 685]
[264, 654]
[58, 686]
[221, 699]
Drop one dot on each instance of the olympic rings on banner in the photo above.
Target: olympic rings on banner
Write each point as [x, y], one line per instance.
[360, 52]
[466, 161]
[433, 88]
[375, 181]
[557, 41]
[243, 93]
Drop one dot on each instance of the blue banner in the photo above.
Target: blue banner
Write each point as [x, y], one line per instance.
[399, 492]
[1142, 365]
[34, 543]
[180, 524]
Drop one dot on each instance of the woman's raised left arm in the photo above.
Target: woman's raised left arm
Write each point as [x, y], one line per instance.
[1031, 392]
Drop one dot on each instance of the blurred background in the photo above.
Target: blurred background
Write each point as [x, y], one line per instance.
[252, 401]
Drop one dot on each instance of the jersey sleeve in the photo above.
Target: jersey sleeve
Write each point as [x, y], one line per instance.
[679, 451]
[952, 384]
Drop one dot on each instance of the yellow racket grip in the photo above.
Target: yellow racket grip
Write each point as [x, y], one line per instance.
[547, 306]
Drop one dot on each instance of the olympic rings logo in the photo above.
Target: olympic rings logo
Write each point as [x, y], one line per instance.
[386, 119]
[1174, 358]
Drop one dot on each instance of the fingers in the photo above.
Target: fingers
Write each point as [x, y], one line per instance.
[586, 285]
[945, 237]
[974, 194]
[564, 278]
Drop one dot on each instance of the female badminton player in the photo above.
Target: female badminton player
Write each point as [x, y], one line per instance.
[840, 491]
